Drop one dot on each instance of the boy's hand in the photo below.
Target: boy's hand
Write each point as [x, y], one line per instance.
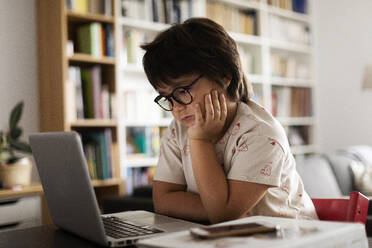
[209, 128]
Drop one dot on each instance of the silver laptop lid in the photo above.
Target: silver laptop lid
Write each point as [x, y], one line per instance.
[65, 178]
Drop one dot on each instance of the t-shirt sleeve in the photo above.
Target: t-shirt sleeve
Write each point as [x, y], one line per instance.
[169, 168]
[257, 159]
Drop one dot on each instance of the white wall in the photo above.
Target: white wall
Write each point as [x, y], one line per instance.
[344, 48]
[18, 63]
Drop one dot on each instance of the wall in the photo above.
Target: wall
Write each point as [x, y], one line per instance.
[344, 37]
[18, 63]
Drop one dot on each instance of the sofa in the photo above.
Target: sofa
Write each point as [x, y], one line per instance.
[324, 176]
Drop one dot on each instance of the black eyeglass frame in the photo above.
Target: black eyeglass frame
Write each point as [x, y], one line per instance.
[171, 95]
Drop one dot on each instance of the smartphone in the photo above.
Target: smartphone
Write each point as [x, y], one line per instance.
[231, 230]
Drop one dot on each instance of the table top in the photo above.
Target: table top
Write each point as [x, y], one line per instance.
[292, 233]
[48, 236]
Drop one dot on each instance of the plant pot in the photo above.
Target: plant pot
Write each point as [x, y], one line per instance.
[16, 174]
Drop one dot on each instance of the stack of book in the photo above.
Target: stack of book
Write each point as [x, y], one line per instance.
[140, 105]
[163, 11]
[96, 39]
[88, 95]
[131, 50]
[291, 102]
[144, 140]
[139, 176]
[283, 29]
[90, 6]
[299, 6]
[288, 66]
[98, 153]
[232, 18]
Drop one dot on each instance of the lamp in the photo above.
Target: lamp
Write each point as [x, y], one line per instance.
[367, 78]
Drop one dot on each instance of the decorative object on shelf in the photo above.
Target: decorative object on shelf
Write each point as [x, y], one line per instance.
[15, 167]
[367, 78]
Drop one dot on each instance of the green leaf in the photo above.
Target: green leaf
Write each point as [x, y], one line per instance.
[20, 146]
[15, 133]
[15, 115]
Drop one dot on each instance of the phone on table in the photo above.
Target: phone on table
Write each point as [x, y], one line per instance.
[231, 230]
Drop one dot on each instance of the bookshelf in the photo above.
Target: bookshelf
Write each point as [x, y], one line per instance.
[277, 64]
[59, 23]
[274, 41]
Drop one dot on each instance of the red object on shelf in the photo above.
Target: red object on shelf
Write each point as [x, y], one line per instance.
[350, 210]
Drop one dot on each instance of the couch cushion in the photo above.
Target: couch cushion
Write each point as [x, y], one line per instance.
[318, 178]
[340, 164]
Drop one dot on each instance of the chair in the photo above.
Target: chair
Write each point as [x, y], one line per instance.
[351, 210]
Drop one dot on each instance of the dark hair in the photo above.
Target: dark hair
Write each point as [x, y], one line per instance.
[199, 45]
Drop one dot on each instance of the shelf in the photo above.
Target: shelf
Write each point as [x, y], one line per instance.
[296, 121]
[33, 189]
[94, 123]
[294, 82]
[86, 58]
[133, 161]
[88, 17]
[305, 149]
[160, 122]
[107, 182]
[142, 24]
[246, 39]
[289, 14]
[242, 4]
[289, 46]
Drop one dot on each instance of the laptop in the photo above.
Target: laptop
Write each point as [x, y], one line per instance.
[72, 202]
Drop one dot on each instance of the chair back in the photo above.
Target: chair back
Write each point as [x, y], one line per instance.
[353, 209]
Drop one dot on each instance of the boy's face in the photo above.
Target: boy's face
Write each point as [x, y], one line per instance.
[199, 89]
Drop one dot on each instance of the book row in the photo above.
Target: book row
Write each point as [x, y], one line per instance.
[96, 39]
[163, 11]
[103, 7]
[299, 6]
[138, 176]
[140, 105]
[291, 102]
[232, 18]
[89, 95]
[283, 29]
[98, 153]
[144, 140]
[289, 67]
[298, 135]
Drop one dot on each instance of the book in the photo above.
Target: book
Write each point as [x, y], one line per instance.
[88, 96]
[89, 38]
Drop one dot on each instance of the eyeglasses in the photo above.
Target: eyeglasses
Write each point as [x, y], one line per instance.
[180, 94]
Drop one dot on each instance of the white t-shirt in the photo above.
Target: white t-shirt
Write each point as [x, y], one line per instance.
[254, 149]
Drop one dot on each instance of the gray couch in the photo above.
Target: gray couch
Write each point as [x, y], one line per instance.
[323, 175]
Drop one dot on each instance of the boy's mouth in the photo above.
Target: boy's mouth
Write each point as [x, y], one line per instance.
[187, 118]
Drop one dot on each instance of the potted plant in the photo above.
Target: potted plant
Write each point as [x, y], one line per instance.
[15, 167]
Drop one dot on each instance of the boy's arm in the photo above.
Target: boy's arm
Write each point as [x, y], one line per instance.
[223, 199]
[172, 200]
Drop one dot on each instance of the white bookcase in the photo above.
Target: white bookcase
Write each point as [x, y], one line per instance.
[277, 39]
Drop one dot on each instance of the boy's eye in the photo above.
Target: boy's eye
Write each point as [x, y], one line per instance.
[182, 91]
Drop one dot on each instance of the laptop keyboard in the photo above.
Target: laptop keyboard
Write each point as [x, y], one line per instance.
[118, 228]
